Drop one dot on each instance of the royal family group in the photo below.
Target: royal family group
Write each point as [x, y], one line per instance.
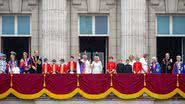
[81, 65]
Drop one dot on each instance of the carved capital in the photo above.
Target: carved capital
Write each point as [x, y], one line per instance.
[111, 2]
[32, 2]
[157, 5]
[155, 2]
[76, 2]
[181, 5]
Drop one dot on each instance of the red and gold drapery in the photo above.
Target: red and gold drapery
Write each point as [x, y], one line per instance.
[92, 86]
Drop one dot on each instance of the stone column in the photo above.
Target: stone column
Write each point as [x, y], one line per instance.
[133, 28]
[54, 29]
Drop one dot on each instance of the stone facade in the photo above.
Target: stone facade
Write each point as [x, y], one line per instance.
[95, 7]
[53, 28]
[157, 7]
[134, 28]
[24, 7]
[54, 24]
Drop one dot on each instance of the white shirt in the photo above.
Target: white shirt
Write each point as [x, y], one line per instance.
[96, 67]
[144, 65]
[78, 68]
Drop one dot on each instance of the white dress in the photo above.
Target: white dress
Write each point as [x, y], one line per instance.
[15, 70]
[96, 67]
[144, 65]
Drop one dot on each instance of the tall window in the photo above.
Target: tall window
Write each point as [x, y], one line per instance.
[15, 25]
[8, 25]
[171, 25]
[23, 24]
[163, 25]
[178, 24]
[93, 25]
[85, 24]
[101, 26]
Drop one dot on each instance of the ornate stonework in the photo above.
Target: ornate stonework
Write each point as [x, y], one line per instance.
[93, 6]
[158, 5]
[168, 6]
[17, 6]
[181, 5]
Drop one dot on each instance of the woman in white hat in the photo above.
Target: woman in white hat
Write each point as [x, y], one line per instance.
[96, 66]
[12, 64]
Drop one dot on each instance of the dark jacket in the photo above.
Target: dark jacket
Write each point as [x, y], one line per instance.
[127, 69]
[120, 68]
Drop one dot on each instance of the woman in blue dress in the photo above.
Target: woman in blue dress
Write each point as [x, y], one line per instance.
[178, 67]
[155, 66]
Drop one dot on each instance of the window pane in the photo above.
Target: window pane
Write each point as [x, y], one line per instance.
[163, 25]
[101, 26]
[7, 24]
[85, 24]
[23, 24]
[178, 24]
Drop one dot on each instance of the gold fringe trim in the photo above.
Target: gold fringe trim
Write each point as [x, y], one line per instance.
[92, 96]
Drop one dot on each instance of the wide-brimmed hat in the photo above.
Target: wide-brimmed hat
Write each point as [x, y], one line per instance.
[12, 53]
[2, 55]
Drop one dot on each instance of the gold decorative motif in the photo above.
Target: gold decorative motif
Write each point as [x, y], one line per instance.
[144, 80]
[44, 84]
[78, 84]
[111, 84]
[11, 80]
[177, 80]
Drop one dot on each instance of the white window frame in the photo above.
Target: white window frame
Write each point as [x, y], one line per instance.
[93, 27]
[15, 27]
[170, 28]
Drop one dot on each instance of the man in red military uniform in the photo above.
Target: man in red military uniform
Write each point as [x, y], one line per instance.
[54, 67]
[71, 65]
[111, 66]
[137, 67]
[63, 67]
[46, 68]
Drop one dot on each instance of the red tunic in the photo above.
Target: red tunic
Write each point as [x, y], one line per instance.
[55, 68]
[69, 65]
[63, 69]
[137, 67]
[111, 66]
[47, 67]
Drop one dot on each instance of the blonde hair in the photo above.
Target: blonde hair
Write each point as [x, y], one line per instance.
[178, 56]
[137, 58]
[98, 58]
[154, 59]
